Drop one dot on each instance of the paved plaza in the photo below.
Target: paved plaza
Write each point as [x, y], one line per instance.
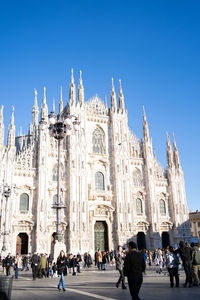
[94, 284]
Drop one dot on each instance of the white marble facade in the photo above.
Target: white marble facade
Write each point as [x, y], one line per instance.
[107, 175]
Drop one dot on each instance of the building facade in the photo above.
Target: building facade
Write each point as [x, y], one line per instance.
[195, 225]
[113, 187]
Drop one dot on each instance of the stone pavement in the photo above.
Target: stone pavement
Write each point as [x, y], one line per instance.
[94, 284]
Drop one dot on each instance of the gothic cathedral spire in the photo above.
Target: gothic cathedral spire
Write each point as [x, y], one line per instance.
[35, 110]
[80, 91]
[121, 99]
[72, 90]
[169, 153]
[1, 128]
[44, 109]
[60, 102]
[11, 131]
[145, 127]
[113, 98]
[176, 154]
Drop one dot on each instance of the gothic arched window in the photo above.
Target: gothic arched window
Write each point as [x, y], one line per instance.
[137, 178]
[162, 207]
[139, 209]
[97, 141]
[24, 202]
[99, 181]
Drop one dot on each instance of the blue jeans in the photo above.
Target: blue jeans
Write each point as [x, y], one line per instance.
[61, 282]
[16, 271]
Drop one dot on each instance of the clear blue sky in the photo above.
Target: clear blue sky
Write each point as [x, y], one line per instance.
[152, 46]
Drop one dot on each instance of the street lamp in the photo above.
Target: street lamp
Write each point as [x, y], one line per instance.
[59, 129]
[6, 193]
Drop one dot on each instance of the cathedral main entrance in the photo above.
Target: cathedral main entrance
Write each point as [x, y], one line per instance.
[22, 243]
[141, 241]
[165, 239]
[101, 236]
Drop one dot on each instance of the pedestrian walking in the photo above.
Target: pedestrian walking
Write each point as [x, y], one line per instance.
[185, 253]
[99, 259]
[35, 260]
[119, 259]
[172, 263]
[17, 265]
[134, 266]
[8, 264]
[61, 267]
[196, 265]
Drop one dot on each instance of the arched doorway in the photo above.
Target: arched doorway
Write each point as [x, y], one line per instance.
[141, 241]
[165, 239]
[52, 243]
[22, 243]
[101, 236]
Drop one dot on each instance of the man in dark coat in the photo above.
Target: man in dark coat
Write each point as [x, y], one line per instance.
[134, 266]
[186, 257]
[35, 260]
[8, 263]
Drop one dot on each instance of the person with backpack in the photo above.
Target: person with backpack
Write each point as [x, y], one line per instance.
[196, 264]
[172, 263]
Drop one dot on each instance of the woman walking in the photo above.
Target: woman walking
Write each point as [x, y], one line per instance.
[61, 267]
[172, 262]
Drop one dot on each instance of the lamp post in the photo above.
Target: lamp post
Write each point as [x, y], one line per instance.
[6, 194]
[59, 128]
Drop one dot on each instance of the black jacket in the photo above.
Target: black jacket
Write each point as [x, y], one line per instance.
[62, 265]
[185, 253]
[134, 264]
[35, 260]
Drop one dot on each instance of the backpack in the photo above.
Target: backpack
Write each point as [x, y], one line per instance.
[196, 257]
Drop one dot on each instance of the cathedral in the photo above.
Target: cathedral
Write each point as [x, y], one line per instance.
[112, 186]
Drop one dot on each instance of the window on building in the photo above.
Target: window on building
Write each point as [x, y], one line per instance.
[198, 224]
[162, 207]
[99, 181]
[24, 202]
[137, 178]
[97, 141]
[139, 209]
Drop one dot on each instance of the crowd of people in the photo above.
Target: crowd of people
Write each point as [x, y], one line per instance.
[131, 263]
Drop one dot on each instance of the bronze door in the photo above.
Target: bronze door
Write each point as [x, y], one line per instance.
[19, 245]
[101, 236]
